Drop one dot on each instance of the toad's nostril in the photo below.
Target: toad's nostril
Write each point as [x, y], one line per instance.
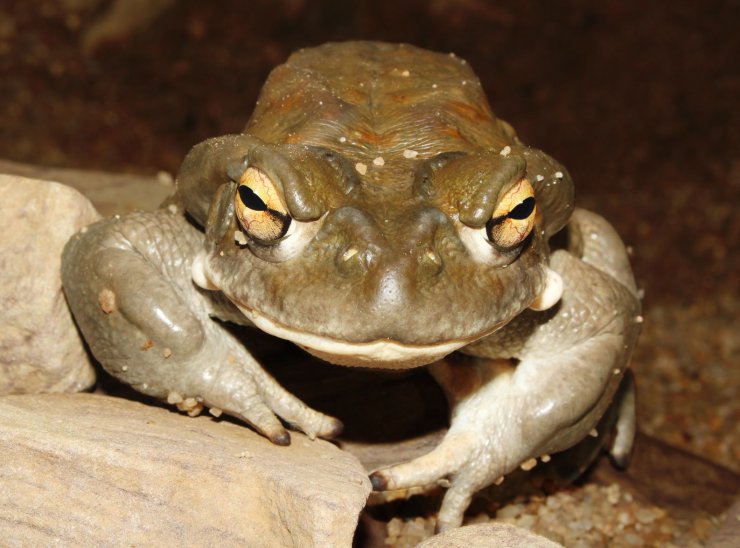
[349, 253]
[432, 256]
[430, 262]
[354, 260]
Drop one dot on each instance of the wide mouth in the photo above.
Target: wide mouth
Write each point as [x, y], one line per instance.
[387, 352]
[380, 353]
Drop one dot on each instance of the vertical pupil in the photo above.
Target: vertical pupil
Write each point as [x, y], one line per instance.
[250, 199]
[522, 210]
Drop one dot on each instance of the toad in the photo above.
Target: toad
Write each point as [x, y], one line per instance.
[377, 214]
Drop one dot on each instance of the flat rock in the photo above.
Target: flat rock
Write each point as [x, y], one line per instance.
[486, 535]
[111, 193]
[93, 470]
[40, 349]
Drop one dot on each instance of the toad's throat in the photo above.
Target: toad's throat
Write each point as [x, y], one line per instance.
[382, 353]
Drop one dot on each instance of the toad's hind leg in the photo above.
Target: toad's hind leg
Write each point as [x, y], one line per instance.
[626, 425]
[128, 282]
[600, 252]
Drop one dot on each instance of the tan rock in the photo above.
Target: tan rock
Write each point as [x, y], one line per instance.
[488, 535]
[728, 532]
[111, 193]
[40, 349]
[90, 470]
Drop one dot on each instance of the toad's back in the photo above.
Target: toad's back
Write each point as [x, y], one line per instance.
[366, 99]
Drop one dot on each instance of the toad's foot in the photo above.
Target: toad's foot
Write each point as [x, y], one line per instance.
[572, 358]
[226, 378]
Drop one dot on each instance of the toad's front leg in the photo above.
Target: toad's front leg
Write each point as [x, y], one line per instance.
[571, 361]
[128, 282]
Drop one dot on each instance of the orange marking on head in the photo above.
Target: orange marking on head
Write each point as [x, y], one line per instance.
[372, 138]
[452, 132]
[471, 113]
[291, 103]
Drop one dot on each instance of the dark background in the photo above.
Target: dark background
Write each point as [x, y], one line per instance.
[639, 99]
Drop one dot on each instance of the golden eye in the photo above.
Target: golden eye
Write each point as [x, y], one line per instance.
[513, 218]
[259, 208]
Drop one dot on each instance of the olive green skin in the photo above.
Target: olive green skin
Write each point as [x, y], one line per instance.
[318, 116]
[390, 163]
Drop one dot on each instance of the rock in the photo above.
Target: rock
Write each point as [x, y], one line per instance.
[83, 469]
[111, 193]
[40, 349]
[486, 535]
[671, 477]
[728, 532]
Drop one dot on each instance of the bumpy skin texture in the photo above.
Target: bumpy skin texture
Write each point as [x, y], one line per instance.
[390, 166]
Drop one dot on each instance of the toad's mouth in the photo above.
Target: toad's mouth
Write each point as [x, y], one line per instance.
[389, 353]
[381, 353]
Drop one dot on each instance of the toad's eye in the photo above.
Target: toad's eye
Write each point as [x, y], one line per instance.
[259, 208]
[513, 218]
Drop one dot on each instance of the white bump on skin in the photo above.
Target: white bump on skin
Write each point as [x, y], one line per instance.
[528, 464]
[551, 293]
[361, 168]
[379, 161]
[409, 154]
[198, 272]
[505, 151]
[558, 174]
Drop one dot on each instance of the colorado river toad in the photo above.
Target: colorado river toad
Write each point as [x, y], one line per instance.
[376, 213]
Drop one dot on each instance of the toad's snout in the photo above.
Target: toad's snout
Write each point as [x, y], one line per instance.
[391, 257]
